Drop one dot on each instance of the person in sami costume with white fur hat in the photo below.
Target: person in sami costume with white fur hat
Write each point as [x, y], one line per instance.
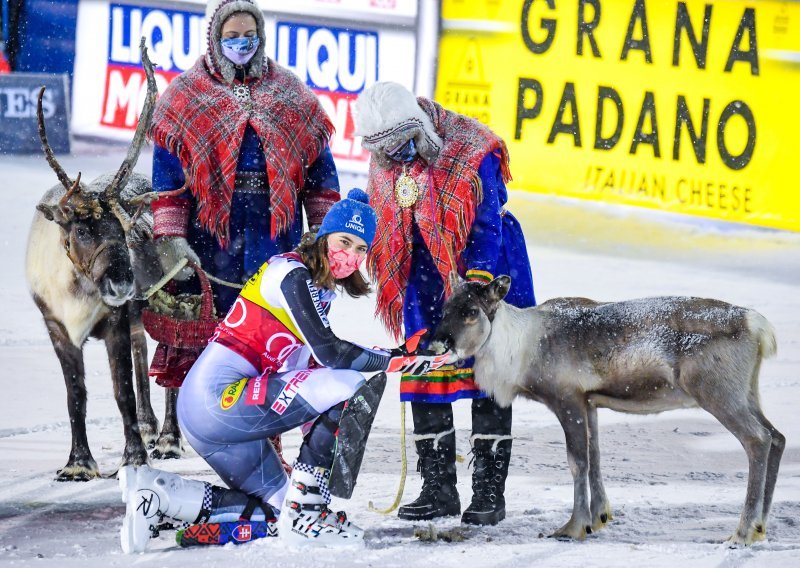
[437, 180]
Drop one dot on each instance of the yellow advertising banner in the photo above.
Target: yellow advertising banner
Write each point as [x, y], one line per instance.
[686, 106]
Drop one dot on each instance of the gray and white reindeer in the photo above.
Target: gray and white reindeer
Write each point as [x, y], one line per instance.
[90, 251]
[576, 355]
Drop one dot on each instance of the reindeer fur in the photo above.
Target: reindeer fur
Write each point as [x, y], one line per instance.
[642, 356]
[90, 249]
[74, 310]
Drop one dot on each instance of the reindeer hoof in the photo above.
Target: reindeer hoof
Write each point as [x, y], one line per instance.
[167, 448]
[136, 457]
[149, 442]
[572, 531]
[84, 471]
[600, 521]
[111, 474]
[162, 454]
[748, 536]
[737, 540]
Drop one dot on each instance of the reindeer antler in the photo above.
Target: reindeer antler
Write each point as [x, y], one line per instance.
[112, 192]
[150, 196]
[62, 203]
[48, 151]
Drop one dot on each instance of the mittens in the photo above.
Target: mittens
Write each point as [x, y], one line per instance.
[171, 250]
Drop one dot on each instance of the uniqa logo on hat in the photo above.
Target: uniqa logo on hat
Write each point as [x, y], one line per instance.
[355, 223]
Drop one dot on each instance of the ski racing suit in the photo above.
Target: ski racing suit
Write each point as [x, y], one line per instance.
[255, 380]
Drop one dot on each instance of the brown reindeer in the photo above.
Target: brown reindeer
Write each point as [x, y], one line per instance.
[641, 356]
[90, 251]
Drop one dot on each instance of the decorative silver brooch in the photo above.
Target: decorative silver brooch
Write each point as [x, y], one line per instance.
[241, 92]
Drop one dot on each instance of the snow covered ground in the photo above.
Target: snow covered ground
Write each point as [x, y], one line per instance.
[676, 481]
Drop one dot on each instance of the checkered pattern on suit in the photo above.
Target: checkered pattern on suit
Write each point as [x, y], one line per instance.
[320, 475]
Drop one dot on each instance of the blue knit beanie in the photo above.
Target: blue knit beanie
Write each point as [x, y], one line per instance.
[352, 215]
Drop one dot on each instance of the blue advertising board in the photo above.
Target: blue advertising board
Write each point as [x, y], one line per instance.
[46, 36]
[19, 130]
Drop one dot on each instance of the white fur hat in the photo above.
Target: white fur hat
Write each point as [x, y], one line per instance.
[387, 114]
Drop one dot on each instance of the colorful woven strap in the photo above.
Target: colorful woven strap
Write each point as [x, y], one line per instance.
[170, 217]
[479, 276]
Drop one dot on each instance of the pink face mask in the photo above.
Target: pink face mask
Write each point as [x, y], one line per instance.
[343, 263]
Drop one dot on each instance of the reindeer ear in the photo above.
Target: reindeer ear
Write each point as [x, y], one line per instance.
[52, 212]
[498, 288]
[455, 279]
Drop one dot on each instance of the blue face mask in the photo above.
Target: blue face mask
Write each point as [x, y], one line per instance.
[405, 153]
[240, 50]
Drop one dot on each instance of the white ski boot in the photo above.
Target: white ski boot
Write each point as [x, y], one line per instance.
[305, 519]
[151, 494]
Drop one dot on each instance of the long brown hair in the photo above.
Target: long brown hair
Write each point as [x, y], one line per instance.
[315, 256]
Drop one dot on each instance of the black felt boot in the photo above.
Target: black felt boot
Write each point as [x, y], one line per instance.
[439, 496]
[491, 449]
[488, 505]
[436, 447]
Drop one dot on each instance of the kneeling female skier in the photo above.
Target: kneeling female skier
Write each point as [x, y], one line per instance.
[254, 381]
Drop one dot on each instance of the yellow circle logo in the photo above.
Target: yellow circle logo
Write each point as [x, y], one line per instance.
[232, 394]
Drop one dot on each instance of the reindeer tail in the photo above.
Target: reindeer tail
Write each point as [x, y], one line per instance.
[764, 333]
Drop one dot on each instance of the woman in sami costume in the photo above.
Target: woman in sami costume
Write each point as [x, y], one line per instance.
[437, 180]
[249, 141]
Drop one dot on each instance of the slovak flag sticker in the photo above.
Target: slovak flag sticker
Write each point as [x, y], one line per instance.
[243, 533]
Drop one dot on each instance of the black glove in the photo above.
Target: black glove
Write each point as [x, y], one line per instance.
[411, 344]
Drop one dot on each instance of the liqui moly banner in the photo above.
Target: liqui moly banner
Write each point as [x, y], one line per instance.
[109, 79]
[337, 64]
[336, 61]
[175, 40]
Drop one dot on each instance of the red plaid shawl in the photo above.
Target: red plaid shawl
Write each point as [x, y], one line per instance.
[200, 121]
[444, 220]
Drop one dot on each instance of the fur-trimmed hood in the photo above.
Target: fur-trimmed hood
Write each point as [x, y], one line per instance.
[387, 114]
[217, 12]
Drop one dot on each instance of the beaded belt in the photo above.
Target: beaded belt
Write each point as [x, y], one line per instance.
[251, 182]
